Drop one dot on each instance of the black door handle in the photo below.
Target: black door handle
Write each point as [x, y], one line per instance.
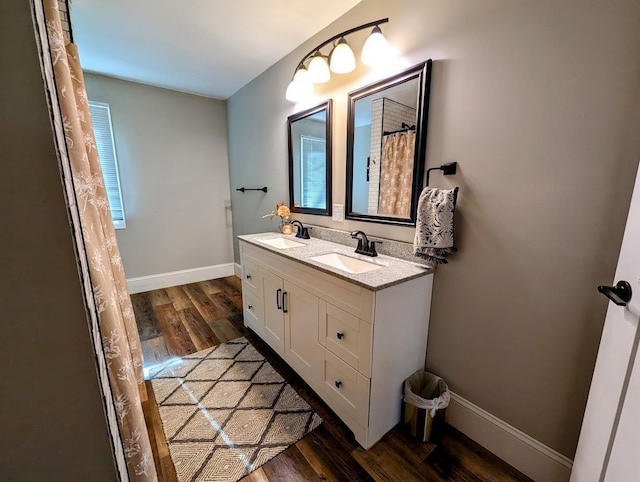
[620, 294]
[284, 302]
[278, 298]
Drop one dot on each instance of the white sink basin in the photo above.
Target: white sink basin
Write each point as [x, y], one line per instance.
[347, 263]
[280, 243]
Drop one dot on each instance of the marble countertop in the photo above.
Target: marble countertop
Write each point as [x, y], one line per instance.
[393, 271]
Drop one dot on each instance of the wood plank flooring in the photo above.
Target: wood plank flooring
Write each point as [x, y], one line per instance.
[185, 319]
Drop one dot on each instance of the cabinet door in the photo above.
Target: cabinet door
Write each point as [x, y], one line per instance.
[251, 277]
[273, 287]
[302, 350]
[252, 313]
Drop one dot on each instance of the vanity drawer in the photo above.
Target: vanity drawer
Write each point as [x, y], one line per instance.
[252, 312]
[347, 336]
[251, 277]
[345, 390]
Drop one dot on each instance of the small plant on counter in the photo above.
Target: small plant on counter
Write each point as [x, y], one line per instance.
[283, 212]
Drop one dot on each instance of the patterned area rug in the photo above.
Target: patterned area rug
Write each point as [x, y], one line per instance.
[225, 412]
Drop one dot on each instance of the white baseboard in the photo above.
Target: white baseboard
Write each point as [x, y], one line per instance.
[515, 447]
[175, 278]
[238, 270]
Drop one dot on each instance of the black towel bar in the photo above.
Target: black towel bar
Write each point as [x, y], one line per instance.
[243, 189]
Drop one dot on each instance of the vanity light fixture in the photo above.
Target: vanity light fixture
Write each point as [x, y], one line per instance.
[341, 60]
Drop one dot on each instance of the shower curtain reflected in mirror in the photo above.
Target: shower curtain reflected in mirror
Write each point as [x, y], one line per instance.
[396, 181]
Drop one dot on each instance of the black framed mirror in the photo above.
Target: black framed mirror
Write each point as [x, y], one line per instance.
[310, 160]
[386, 147]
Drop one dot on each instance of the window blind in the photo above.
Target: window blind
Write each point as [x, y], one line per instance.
[313, 171]
[101, 118]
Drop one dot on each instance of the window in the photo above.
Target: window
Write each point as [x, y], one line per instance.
[313, 171]
[101, 118]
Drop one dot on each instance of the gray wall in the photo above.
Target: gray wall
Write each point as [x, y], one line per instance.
[51, 412]
[172, 155]
[533, 99]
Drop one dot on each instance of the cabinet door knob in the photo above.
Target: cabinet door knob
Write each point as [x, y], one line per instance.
[250, 307]
[248, 276]
[340, 335]
[338, 383]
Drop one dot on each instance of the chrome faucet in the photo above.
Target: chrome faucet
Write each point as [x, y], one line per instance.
[301, 232]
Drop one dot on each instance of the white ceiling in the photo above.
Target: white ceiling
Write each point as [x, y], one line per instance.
[205, 47]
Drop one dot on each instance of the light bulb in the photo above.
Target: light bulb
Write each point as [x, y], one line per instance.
[342, 59]
[375, 50]
[318, 69]
[293, 93]
[303, 80]
[300, 87]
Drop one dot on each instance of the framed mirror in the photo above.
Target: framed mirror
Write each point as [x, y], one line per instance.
[310, 160]
[386, 146]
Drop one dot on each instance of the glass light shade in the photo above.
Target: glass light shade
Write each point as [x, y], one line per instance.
[342, 59]
[375, 50]
[293, 93]
[319, 70]
[300, 87]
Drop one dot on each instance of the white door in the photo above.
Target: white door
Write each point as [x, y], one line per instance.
[609, 445]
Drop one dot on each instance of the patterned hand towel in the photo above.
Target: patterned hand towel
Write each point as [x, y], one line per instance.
[434, 226]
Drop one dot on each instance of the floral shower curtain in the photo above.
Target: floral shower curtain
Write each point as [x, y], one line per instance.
[115, 313]
[397, 174]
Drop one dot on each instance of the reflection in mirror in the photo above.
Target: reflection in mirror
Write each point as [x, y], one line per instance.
[310, 160]
[386, 143]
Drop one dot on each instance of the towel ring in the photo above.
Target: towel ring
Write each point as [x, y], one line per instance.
[447, 169]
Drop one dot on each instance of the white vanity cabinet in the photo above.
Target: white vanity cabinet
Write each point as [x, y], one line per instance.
[354, 346]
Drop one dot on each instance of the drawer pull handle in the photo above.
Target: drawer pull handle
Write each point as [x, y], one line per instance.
[338, 383]
[248, 276]
[340, 335]
[250, 307]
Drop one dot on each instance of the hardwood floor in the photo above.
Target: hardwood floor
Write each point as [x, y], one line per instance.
[185, 319]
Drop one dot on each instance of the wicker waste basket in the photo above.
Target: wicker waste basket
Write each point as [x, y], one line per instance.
[424, 394]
